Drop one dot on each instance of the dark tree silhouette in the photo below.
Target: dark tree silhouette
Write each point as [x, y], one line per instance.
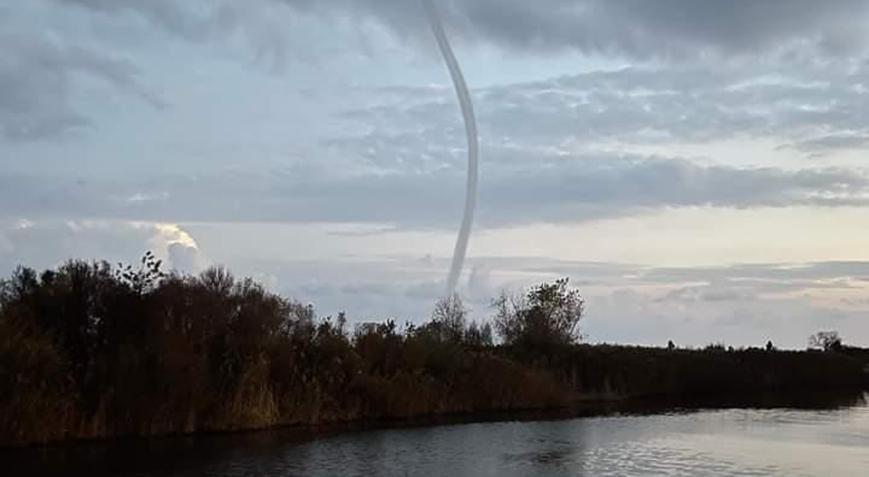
[826, 340]
[547, 316]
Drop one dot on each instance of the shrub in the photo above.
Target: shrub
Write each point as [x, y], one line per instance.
[546, 317]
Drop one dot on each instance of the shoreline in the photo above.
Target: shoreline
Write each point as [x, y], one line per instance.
[229, 453]
[589, 381]
[580, 408]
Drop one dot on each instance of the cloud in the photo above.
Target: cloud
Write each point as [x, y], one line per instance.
[800, 273]
[538, 188]
[193, 20]
[47, 243]
[178, 247]
[36, 75]
[764, 278]
[823, 145]
[810, 100]
[185, 258]
[635, 28]
[586, 187]
[260, 26]
[810, 107]
[708, 293]
[544, 189]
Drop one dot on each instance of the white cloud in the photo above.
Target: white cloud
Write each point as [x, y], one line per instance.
[177, 247]
[184, 258]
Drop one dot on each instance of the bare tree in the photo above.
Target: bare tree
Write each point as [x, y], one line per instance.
[826, 340]
[449, 317]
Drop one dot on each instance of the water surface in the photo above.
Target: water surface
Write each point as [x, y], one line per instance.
[706, 442]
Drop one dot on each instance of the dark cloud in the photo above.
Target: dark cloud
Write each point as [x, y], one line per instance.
[638, 28]
[668, 27]
[193, 20]
[540, 188]
[36, 76]
[630, 182]
[823, 145]
[261, 25]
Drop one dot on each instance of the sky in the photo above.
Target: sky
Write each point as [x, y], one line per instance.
[696, 169]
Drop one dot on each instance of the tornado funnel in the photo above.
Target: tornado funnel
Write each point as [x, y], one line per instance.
[470, 121]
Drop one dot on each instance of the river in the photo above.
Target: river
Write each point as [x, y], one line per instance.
[781, 441]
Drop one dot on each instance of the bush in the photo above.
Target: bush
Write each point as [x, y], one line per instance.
[546, 317]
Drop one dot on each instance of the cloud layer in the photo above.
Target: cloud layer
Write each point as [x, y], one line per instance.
[539, 189]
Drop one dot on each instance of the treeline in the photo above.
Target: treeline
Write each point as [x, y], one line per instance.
[606, 371]
[89, 350]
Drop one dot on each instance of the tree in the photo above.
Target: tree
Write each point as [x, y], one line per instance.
[479, 335]
[143, 279]
[826, 340]
[448, 318]
[548, 315]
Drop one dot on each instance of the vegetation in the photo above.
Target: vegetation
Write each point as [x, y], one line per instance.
[605, 371]
[89, 350]
[826, 341]
[546, 319]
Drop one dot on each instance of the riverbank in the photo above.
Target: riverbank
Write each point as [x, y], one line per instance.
[239, 453]
[587, 380]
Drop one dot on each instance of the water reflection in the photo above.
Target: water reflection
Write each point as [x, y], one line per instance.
[712, 442]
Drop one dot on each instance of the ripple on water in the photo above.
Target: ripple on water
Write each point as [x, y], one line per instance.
[737, 442]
